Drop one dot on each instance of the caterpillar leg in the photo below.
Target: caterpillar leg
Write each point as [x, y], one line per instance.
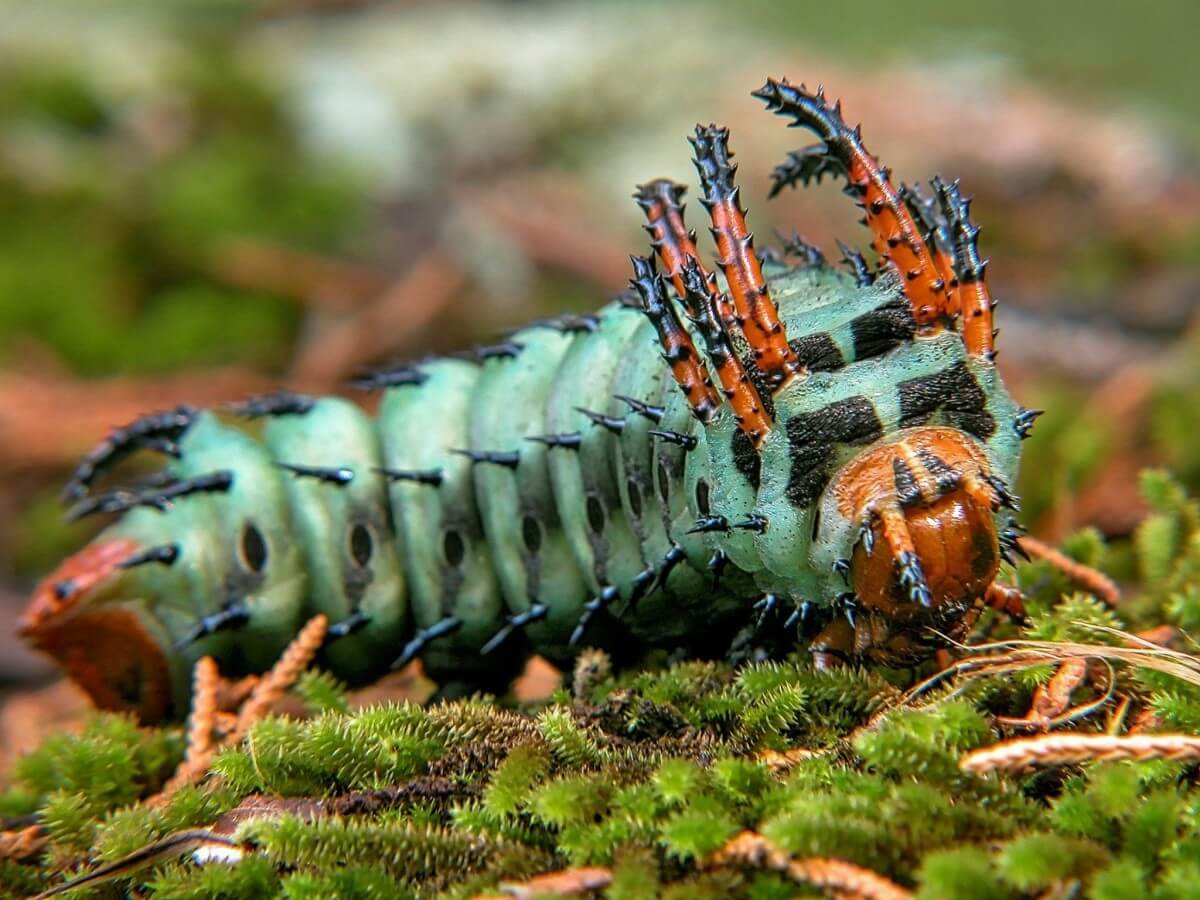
[896, 235]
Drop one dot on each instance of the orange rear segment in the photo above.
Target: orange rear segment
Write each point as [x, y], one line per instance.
[106, 650]
[956, 543]
[896, 236]
[937, 537]
[756, 312]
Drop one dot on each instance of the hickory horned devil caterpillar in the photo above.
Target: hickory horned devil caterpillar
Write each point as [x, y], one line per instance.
[844, 480]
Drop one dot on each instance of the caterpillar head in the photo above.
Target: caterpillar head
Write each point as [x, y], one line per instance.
[920, 511]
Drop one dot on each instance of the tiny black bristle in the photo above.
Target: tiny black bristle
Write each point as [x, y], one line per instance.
[600, 602]
[232, 616]
[278, 403]
[335, 475]
[796, 246]
[535, 613]
[570, 441]
[615, 424]
[803, 167]
[644, 409]
[706, 524]
[912, 579]
[164, 554]
[863, 276]
[686, 441]
[507, 458]
[158, 432]
[717, 564]
[754, 522]
[1024, 420]
[396, 376]
[160, 499]
[431, 477]
[480, 354]
[424, 638]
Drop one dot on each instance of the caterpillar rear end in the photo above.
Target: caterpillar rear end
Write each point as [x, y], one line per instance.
[763, 442]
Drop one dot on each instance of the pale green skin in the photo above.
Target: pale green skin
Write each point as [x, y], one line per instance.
[495, 406]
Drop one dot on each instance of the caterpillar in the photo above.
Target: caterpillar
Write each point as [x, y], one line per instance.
[772, 448]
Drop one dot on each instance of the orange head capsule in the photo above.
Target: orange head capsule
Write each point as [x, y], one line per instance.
[927, 547]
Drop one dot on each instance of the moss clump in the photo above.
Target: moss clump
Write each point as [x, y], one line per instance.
[648, 773]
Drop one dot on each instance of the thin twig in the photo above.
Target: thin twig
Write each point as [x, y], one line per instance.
[1068, 749]
[299, 653]
[845, 878]
[201, 746]
[564, 883]
[1095, 581]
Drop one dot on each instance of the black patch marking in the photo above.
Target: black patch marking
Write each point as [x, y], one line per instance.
[947, 479]
[817, 352]
[812, 437]
[908, 492]
[955, 392]
[746, 458]
[882, 329]
[164, 554]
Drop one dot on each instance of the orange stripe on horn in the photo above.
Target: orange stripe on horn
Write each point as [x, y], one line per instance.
[670, 237]
[687, 368]
[756, 310]
[896, 236]
[736, 385]
[975, 300]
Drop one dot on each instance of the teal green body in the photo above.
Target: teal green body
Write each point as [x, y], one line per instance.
[545, 534]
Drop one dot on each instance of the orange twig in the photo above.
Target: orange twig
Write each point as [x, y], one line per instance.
[751, 848]
[564, 883]
[201, 746]
[283, 675]
[1093, 580]
[1068, 749]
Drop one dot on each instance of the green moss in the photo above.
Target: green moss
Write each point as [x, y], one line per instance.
[650, 771]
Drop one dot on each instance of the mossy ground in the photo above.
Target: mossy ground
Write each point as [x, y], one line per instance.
[650, 771]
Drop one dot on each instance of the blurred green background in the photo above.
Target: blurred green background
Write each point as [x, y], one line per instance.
[201, 200]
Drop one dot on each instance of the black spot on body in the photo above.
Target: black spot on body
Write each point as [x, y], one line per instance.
[361, 544]
[955, 392]
[702, 504]
[746, 458]
[595, 513]
[817, 352]
[664, 483]
[531, 534]
[882, 329]
[812, 437]
[453, 548]
[634, 491]
[253, 548]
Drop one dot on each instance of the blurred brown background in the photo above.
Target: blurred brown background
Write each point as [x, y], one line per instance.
[202, 200]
